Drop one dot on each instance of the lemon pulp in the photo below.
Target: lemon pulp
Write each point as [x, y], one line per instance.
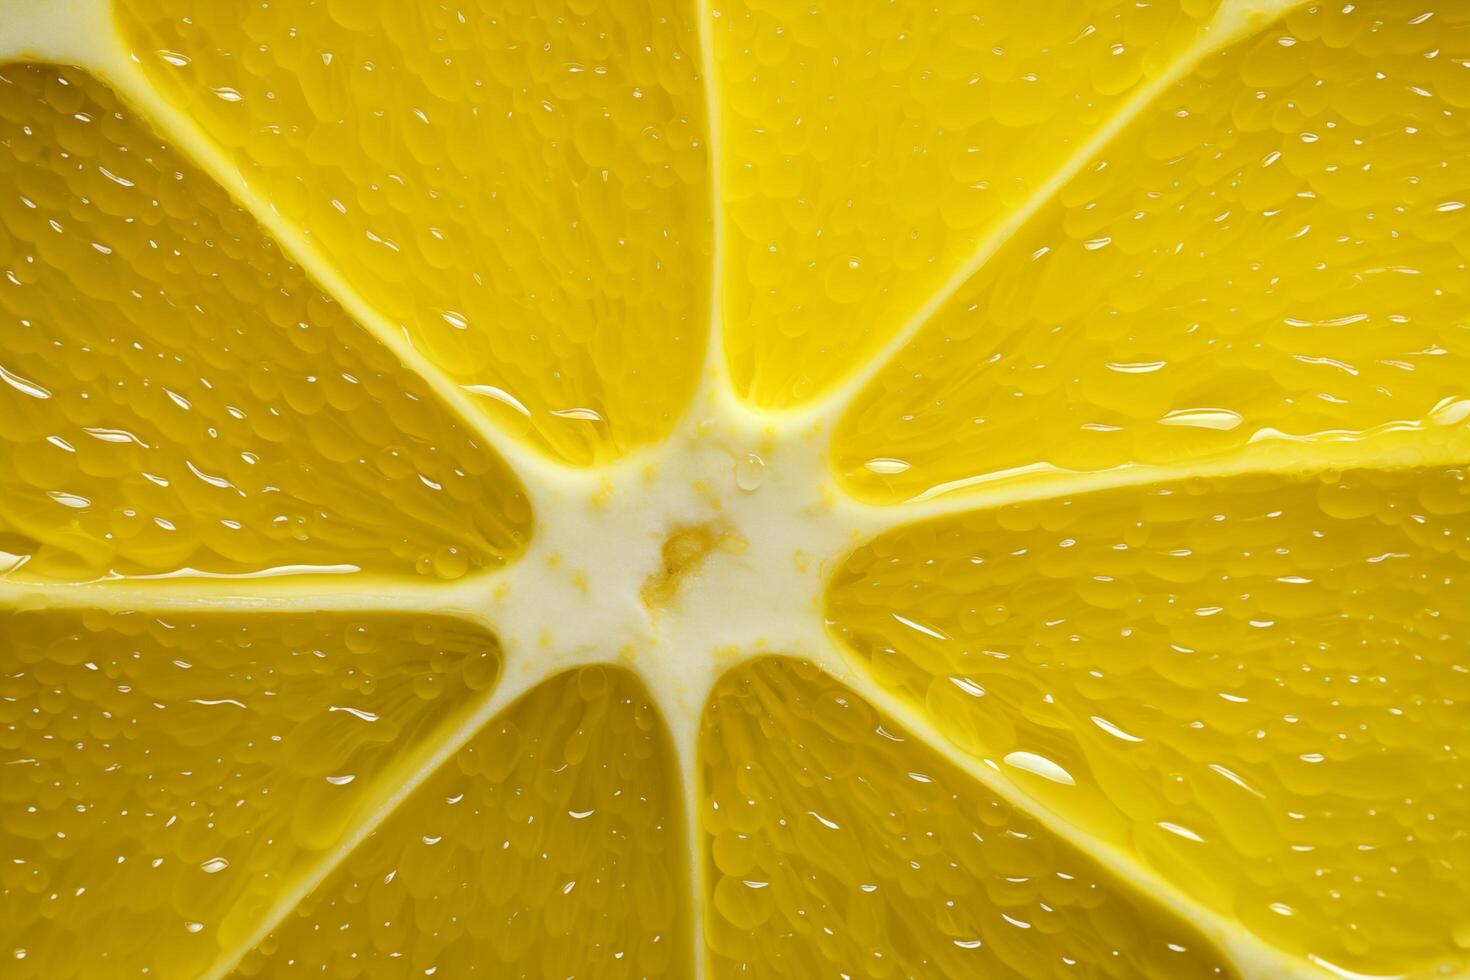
[742, 489]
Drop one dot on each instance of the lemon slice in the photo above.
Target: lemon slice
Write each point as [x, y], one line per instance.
[734, 489]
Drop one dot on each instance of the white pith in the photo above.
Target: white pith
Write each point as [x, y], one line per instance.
[576, 596]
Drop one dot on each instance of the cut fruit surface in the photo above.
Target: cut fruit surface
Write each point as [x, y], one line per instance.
[869, 150]
[168, 777]
[839, 846]
[1272, 250]
[178, 398]
[551, 845]
[1257, 683]
[520, 189]
[734, 489]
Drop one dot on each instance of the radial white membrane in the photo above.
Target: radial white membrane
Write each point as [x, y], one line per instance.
[605, 555]
[182, 400]
[871, 152]
[519, 190]
[835, 843]
[170, 775]
[550, 844]
[1273, 250]
[1254, 684]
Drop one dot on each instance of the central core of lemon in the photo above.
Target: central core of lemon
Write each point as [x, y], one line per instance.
[684, 552]
[715, 546]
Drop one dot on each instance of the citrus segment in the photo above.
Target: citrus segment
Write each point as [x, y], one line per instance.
[1275, 249]
[521, 190]
[551, 845]
[179, 398]
[1257, 684]
[838, 846]
[1056, 248]
[168, 777]
[869, 148]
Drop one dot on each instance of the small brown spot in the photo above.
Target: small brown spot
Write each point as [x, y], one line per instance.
[683, 552]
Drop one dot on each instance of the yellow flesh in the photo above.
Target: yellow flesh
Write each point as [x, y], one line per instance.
[523, 195]
[179, 396]
[1274, 249]
[549, 846]
[870, 147]
[838, 845]
[1255, 684]
[1170, 680]
[168, 776]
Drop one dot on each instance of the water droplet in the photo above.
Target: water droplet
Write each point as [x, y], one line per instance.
[750, 472]
[72, 500]
[214, 865]
[500, 395]
[23, 385]
[355, 712]
[428, 686]
[1114, 730]
[450, 562]
[1222, 419]
[1041, 766]
[885, 466]
[1135, 367]
[1179, 831]
[579, 414]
